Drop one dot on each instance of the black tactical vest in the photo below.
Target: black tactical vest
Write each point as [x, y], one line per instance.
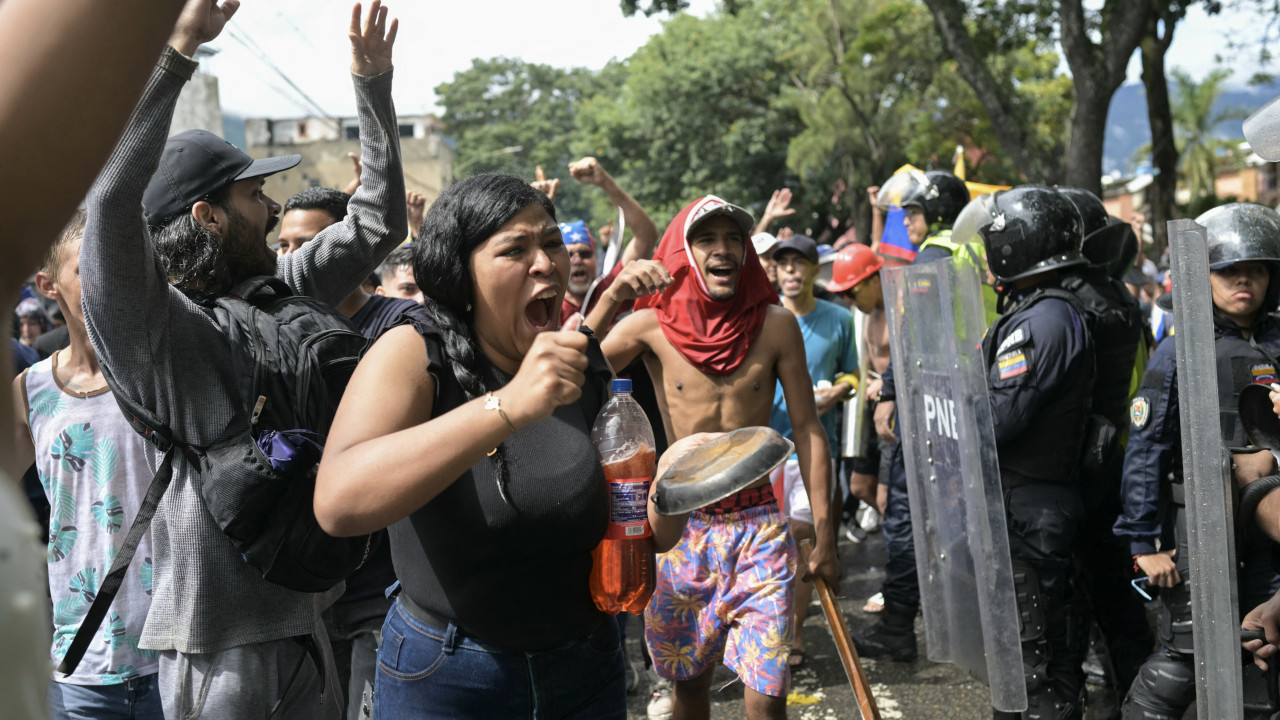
[1115, 322]
[1050, 449]
[1240, 364]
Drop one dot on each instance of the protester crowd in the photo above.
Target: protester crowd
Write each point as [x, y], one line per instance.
[333, 458]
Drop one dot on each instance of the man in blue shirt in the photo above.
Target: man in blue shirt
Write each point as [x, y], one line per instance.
[831, 349]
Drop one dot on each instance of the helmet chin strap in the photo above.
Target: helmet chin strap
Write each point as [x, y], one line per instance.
[1003, 302]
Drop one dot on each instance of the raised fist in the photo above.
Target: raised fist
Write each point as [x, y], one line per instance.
[588, 170]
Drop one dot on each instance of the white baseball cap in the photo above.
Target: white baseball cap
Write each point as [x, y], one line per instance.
[764, 243]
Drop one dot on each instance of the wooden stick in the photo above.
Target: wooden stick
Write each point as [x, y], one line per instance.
[840, 633]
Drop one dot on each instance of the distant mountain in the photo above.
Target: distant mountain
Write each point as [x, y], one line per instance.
[1127, 127]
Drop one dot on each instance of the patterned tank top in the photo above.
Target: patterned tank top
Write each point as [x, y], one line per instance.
[94, 471]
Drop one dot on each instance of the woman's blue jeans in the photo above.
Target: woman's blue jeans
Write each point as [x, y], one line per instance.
[428, 672]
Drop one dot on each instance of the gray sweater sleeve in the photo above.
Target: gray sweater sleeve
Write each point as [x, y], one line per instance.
[163, 351]
[335, 263]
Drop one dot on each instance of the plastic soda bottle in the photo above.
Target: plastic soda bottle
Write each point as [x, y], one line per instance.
[622, 569]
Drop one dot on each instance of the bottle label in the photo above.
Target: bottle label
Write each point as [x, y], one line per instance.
[628, 509]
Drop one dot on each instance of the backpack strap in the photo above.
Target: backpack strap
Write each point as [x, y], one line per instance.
[144, 423]
[115, 576]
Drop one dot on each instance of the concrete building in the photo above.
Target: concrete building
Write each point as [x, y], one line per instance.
[324, 144]
[199, 107]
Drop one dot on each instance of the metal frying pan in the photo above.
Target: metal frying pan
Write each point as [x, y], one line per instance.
[720, 468]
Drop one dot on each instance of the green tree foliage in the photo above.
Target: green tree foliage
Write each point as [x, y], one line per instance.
[1194, 121]
[1097, 43]
[652, 7]
[824, 97]
[876, 90]
[631, 7]
[700, 111]
[504, 103]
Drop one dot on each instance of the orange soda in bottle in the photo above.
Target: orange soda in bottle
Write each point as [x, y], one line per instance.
[622, 568]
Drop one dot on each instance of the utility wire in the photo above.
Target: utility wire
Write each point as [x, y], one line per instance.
[242, 37]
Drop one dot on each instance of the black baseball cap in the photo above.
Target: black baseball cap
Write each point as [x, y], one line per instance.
[802, 244]
[196, 164]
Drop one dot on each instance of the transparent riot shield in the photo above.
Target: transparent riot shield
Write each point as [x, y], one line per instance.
[1262, 130]
[1215, 614]
[936, 322]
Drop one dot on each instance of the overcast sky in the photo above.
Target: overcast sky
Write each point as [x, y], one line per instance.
[306, 40]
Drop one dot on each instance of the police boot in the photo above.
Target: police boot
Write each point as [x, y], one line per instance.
[1164, 689]
[893, 637]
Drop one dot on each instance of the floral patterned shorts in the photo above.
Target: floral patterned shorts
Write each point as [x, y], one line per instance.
[725, 592]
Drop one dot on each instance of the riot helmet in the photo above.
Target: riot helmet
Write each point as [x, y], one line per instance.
[1108, 243]
[1112, 248]
[1033, 229]
[978, 212]
[1241, 231]
[940, 197]
[1089, 206]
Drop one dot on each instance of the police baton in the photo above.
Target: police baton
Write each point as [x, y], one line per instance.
[840, 633]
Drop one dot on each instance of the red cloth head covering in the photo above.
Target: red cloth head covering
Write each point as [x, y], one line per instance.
[713, 335]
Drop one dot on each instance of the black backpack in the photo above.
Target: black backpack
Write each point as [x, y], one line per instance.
[258, 479]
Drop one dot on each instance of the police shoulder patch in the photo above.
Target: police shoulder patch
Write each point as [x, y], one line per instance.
[1012, 364]
[1015, 338]
[1140, 412]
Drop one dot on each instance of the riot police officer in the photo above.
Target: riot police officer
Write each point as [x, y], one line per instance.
[1115, 322]
[931, 203]
[1244, 256]
[1040, 359]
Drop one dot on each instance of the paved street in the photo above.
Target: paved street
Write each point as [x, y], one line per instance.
[910, 691]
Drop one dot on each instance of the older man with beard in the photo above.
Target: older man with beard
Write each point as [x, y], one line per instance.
[230, 643]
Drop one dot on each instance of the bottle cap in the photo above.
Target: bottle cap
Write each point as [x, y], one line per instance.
[620, 385]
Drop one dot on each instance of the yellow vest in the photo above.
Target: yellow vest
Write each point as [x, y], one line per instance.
[975, 253]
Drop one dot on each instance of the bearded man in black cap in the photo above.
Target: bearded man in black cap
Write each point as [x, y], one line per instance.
[230, 643]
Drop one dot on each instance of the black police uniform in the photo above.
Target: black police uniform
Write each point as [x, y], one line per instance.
[1041, 371]
[1154, 504]
[1116, 325]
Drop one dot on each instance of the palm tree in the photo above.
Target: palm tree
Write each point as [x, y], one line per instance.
[1194, 121]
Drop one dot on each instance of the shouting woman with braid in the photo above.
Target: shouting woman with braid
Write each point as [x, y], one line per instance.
[467, 433]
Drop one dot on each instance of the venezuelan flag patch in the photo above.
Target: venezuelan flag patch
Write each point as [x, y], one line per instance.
[1011, 364]
[1263, 374]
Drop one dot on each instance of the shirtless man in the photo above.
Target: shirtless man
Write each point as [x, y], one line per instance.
[856, 275]
[716, 343]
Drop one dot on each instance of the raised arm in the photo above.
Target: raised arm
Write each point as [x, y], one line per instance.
[150, 337]
[588, 170]
[779, 206]
[627, 339]
[635, 280]
[344, 253]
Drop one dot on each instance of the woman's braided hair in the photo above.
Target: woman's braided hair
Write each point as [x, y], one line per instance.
[462, 218]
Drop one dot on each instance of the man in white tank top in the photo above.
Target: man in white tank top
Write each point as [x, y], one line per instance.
[93, 469]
